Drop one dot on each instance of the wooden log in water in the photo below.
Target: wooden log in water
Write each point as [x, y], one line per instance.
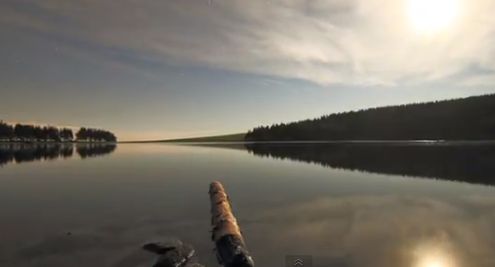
[229, 243]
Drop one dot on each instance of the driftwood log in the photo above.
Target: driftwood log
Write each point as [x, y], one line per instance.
[230, 246]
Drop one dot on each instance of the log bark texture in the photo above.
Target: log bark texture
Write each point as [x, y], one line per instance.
[230, 245]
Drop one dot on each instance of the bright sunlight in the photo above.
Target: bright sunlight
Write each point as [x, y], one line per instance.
[434, 254]
[429, 16]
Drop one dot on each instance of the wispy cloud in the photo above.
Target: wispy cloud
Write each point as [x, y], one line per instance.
[360, 42]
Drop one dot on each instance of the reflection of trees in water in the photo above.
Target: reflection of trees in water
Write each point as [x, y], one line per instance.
[468, 163]
[24, 152]
[94, 149]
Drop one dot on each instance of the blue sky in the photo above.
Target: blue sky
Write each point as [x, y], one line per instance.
[180, 68]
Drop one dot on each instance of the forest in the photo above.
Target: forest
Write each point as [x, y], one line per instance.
[34, 133]
[471, 118]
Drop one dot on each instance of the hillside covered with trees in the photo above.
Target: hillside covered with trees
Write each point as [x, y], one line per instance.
[471, 118]
[34, 133]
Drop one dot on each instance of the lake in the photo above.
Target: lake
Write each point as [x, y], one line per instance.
[344, 205]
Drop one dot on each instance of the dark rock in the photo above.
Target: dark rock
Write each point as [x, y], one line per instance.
[174, 254]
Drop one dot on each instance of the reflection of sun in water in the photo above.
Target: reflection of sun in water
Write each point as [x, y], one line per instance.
[433, 261]
[433, 255]
[429, 16]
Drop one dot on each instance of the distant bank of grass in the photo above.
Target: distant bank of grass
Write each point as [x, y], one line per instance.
[239, 137]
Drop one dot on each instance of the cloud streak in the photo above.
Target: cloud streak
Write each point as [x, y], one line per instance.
[326, 42]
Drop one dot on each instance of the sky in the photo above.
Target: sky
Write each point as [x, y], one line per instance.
[148, 69]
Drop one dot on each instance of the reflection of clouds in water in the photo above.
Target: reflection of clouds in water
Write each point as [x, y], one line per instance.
[81, 249]
[375, 231]
[118, 207]
[371, 231]
[117, 244]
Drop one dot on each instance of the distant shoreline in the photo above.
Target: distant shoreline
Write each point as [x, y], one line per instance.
[55, 142]
[238, 137]
[425, 142]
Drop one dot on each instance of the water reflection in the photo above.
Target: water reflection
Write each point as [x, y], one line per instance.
[93, 150]
[26, 152]
[435, 254]
[100, 212]
[473, 163]
[378, 231]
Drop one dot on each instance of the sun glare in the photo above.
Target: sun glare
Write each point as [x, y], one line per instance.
[433, 255]
[428, 16]
[433, 262]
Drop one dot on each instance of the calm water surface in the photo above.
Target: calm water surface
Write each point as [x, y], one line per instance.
[346, 205]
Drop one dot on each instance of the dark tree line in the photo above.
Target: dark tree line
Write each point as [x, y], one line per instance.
[33, 133]
[95, 135]
[25, 132]
[6, 131]
[471, 118]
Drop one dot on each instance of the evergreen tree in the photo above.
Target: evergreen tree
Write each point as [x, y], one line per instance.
[24, 132]
[95, 135]
[66, 134]
[471, 118]
[31, 133]
[6, 131]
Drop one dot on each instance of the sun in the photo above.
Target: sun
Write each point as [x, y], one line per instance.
[429, 16]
